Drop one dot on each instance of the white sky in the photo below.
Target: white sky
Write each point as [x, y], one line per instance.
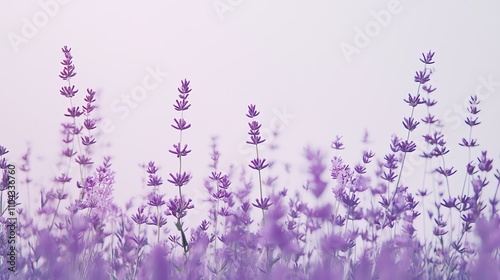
[280, 55]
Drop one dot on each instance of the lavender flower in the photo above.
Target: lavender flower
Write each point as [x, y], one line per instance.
[422, 77]
[68, 71]
[154, 180]
[427, 58]
[180, 178]
[89, 237]
[485, 164]
[257, 163]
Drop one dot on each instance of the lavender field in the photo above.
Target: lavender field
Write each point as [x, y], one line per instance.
[266, 160]
[92, 238]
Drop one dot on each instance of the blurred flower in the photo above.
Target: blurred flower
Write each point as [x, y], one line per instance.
[262, 203]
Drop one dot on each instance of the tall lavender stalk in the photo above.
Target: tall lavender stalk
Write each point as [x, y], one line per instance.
[155, 199]
[181, 178]
[70, 129]
[405, 146]
[471, 121]
[257, 163]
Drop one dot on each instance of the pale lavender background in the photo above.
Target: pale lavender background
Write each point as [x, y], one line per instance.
[276, 54]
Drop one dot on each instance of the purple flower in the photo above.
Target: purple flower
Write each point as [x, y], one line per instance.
[472, 121]
[428, 89]
[68, 91]
[258, 164]
[83, 160]
[154, 181]
[429, 119]
[63, 178]
[427, 58]
[74, 112]
[470, 169]
[367, 156]
[87, 141]
[430, 102]
[3, 150]
[204, 225]
[219, 194]
[390, 161]
[422, 77]
[316, 169]
[339, 169]
[252, 112]
[179, 179]
[262, 203]
[360, 169]
[439, 231]
[184, 87]
[215, 176]
[68, 152]
[182, 104]
[337, 144]
[350, 201]
[414, 101]
[407, 146]
[389, 176]
[89, 124]
[155, 200]
[224, 212]
[445, 172]
[485, 164]
[479, 184]
[156, 220]
[140, 218]
[466, 143]
[152, 169]
[255, 133]
[410, 123]
[181, 124]
[449, 203]
[177, 208]
[178, 152]
[395, 144]
[473, 105]
[69, 69]
[90, 99]
[140, 241]
[439, 151]
[435, 139]
[224, 182]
